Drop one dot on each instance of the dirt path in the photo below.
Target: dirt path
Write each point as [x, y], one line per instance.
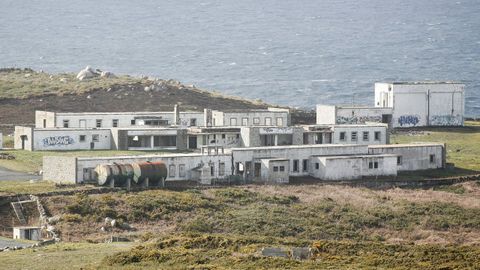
[6, 174]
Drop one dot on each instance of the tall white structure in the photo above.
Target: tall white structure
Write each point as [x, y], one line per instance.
[426, 103]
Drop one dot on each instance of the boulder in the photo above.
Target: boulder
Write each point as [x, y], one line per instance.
[107, 74]
[108, 221]
[87, 73]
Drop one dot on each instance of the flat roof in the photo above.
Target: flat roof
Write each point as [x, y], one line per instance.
[356, 156]
[421, 82]
[298, 147]
[426, 144]
[166, 155]
[119, 113]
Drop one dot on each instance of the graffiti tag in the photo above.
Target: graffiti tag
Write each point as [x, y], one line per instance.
[358, 119]
[408, 120]
[446, 120]
[58, 140]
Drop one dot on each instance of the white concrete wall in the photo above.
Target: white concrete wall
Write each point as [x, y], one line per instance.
[69, 139]
[413, 157]
[423, 103]
[1, 141]
[360, 115]
[326, 114]
[354, 167]
[278, 117]
[44, 119]
[360, 129]
[27, 134]
[60, 169]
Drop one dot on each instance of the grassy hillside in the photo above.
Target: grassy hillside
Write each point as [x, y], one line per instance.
[226, 228]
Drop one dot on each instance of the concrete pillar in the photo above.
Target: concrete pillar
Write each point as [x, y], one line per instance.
[276, 140]
[176, 115]
[152, 140]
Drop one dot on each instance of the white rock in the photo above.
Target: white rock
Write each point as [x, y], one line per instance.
[107, 74]
[108, 221]
[87, 73]
[28, 75]
[146, 89]
[64, 80]
[113, 223]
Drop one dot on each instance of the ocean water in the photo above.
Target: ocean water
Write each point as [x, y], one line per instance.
[296, 53]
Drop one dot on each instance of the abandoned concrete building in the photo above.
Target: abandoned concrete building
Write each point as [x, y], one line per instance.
[404, 104]
[271, 164]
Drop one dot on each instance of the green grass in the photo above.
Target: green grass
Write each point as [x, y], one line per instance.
[463, 144]
[31, 161]
[28, 83]
[61, 256]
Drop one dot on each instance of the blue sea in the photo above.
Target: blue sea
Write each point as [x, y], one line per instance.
[296, 53]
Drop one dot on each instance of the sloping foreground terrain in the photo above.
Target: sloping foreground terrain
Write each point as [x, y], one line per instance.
[226, 228]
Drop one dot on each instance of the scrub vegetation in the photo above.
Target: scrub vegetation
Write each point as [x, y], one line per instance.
[226, 228]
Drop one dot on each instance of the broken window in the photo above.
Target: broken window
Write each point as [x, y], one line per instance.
[115, 123]
[82, 138]
[317, 165]
[132, 122]
[432, 158]
[98, 123]
[399, 160]
[375, 165]
[282, 168]
[256, 121]
[66, 123]
[377, 135]
[193, 122]
[244, 121]
[305, 165]
[343, 136]
[275, 168]
[370, 165]
[95, 138]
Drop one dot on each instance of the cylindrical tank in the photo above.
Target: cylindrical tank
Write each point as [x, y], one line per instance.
[154, 171]
[104, 174]
[126, 172]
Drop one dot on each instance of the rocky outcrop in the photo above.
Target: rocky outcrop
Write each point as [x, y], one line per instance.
[88, 73]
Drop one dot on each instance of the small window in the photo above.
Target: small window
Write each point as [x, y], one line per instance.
[212, 171]
[223, 136]
[115, 123]
[377, 135]
[256, 121]
[279, 121]
[132, 122]
[238, 136]
[305, 165]
[221, 169]
[215, 136]
[44, 123]
[181, 170]
[432, 158]
[268, 121]
[366, 135]
[399, 160]
[66, 123]
[275, 168]
[244, 121]
[82, 138]
[171, 171]
[375, 165]
[343, 136]
[282, 168]
[193, 122]
[98, 123]
[233, 121]
[370, 165]
[354, 136]
[95, 138]
[317, 166]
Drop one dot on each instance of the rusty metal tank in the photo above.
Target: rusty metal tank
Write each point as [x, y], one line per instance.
[154, 171]
[104, 173]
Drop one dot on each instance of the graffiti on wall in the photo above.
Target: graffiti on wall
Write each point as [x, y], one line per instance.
[58, 140]
[358, 119]
[446, 120]
[408, 120]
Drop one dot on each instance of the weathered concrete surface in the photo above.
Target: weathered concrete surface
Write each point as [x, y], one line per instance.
[6, 242]
[6, 174]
